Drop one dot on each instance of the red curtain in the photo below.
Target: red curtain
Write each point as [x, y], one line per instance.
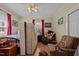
[33, 21]
[9, 32]
[42, 26]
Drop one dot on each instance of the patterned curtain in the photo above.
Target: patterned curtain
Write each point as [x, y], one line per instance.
[33, 21]
[9, 32]
[42, 26]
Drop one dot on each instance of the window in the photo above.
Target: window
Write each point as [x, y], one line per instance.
[3, 23]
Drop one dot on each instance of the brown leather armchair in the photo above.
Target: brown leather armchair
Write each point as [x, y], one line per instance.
[66, 47]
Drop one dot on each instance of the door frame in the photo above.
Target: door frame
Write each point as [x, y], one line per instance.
[68, 13]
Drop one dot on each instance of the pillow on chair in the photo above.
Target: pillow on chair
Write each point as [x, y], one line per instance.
[66, 42]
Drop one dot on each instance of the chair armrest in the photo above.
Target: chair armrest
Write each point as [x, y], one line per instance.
[69, 50]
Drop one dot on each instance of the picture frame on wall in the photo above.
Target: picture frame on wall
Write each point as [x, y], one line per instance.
[15, 23]
[60, 21]
[48, 25]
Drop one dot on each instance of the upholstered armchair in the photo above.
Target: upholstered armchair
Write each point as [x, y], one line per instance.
[66, 47]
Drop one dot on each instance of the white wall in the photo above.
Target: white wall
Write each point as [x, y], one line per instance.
[61, 29]
[38, 19]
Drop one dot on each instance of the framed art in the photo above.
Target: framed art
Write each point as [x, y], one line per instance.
[48, 25]
[60, 21]
[15, 23]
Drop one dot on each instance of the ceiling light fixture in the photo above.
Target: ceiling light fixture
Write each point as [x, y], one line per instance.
[32, 8]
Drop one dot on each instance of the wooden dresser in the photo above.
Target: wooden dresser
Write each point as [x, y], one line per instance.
[8, 51]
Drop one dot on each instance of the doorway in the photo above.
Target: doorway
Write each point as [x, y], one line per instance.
[73, 19]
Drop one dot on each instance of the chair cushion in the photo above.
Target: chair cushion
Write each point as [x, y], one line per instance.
[66, 42]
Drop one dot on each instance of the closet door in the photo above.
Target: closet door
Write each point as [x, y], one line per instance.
[31, 40]
[74, 23]
[34, 39]
[28, 39]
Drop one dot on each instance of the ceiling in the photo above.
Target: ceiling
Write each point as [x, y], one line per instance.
[20, 9]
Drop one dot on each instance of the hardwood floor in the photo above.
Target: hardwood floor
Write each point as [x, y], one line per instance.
[40, 48]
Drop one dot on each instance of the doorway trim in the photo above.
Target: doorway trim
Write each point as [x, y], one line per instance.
[68, 13]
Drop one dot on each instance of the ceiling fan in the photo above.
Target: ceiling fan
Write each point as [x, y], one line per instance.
[32, 8]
